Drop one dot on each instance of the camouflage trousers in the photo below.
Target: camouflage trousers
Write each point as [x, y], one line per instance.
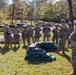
[46, 36]
[37, 37]
[55, 37]
[16, 38]
[24, 41]
[62, 42]
[73, 56]
[8, 39]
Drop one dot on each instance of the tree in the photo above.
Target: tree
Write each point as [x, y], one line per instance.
[18, 10]
[70, 10]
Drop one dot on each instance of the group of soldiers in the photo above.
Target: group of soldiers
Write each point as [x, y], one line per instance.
[27, 33]
[60, 32]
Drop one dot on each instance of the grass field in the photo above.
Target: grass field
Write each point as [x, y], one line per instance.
[12, 63]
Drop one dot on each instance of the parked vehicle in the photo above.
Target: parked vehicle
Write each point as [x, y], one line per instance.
[20, 26]
[1, 28]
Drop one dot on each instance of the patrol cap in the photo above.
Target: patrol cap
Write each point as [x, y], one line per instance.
[7, 27]
[15, 26]
[70, 23]
[62, 20]
[25, 26]
[36, 23]
[56, 24]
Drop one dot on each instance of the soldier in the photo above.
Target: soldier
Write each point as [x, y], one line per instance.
[62, 36]
[37, 30]
[7, 36]
[30, 34]
[24, 35]
[72, 39]
[75, 24]
[16, 36]
[46, 32]
[55, 33]
[70, 30]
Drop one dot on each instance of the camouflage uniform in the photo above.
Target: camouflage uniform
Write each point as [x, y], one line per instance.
[30, 35]
[75, 24]
[72, 39]
[70, 30]
[16, 36]
[62, 37]
[46, 32]
[55, 34]
[7, 36]
[24, 35]
[37, 30]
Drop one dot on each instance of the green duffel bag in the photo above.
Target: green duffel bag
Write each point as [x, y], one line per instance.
[41, 53]
[31, 53]
[53, 58]
[32, 59]
[47, 45]
[32, 46]
[28, 56]
[35, 56]
[44, 56]
[38, 49]
[40, 59]
[48, 59]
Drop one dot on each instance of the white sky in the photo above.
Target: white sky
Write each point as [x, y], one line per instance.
[31, 0]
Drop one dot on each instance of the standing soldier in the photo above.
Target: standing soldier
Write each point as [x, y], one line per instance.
[46, 32]
[37, 30]
[55, 33]
[7, 36]
[70, 30]
[30, 34]
[75, 24]
[16, 36]
[62, 36]
[24, 35]
[72, 39]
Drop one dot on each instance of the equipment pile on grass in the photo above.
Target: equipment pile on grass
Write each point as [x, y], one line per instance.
[38, 54]
[36, 51]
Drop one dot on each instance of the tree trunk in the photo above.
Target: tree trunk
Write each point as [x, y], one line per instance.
[70, 10]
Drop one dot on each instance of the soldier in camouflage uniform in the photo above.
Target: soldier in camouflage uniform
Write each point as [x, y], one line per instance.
[24, 35]
[75, 24]
[70, 30]
[37, 30]
[7, 36]
[55, 33]
[16, 36]
[46, 32]
[30, 35]
[62, 36]
[72, 39]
